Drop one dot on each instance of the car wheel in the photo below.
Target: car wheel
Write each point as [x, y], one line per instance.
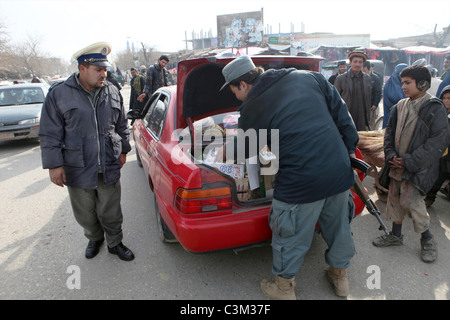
[165, 235]
[138, 159]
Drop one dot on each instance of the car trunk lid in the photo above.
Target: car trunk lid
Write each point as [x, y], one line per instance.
[199, 82]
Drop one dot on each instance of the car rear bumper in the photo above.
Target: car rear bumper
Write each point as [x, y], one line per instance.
[222, 232]
[235, 230]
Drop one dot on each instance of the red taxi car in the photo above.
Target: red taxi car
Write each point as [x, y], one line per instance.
[203, 205]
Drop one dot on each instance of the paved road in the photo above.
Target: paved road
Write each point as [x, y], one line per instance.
[42, 250]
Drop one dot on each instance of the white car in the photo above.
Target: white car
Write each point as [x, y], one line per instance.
[20, 110]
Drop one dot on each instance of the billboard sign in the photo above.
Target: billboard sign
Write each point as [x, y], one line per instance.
[240, 29]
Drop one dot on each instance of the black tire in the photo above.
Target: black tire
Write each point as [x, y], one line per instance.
[138, 159]
[164, 233]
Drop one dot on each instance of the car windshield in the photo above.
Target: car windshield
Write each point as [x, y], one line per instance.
[19, 96]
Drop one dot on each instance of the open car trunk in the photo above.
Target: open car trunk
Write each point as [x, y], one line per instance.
[209, 117]
[203, 140]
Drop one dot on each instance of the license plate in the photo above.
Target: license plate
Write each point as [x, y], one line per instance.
[6, 135]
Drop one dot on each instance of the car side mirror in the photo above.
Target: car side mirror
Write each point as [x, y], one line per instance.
[134, 114]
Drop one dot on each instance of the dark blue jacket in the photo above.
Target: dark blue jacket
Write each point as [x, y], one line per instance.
[316, 133]
[80, 138]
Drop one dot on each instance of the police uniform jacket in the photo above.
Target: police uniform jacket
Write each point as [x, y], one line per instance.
[82, 137]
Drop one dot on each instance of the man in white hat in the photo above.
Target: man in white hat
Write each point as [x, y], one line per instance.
[316, 138]
[84, 140]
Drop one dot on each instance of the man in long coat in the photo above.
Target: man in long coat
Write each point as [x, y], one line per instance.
[355, 88]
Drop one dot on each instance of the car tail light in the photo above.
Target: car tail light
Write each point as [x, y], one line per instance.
[205, 200]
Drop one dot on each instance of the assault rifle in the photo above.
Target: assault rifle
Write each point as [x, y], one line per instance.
[359, 189]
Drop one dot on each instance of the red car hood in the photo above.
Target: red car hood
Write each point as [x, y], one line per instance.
[199, 81]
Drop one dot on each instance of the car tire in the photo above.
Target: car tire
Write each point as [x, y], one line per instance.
[138, 159]
[165, 235]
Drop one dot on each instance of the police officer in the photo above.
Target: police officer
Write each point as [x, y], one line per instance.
[84, 140]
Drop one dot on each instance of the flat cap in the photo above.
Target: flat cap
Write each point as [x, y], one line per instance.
[96, 54]
[237, 68]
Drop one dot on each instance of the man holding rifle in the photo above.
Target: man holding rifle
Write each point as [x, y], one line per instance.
[317, 137]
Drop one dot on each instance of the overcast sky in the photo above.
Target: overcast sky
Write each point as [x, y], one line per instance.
[66, 26]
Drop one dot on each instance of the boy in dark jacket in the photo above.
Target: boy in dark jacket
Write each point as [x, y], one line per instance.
[416, 137]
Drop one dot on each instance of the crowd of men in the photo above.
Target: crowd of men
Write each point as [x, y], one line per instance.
[416, 139]
[417, 135]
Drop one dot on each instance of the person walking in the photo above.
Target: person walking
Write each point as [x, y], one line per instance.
[157, 76]
[316, 134]
[392, 92]
[377, 88]
[84, 141]
[137, 84]
[446, 67]
[435, 81]
[355, 87]
[110, 78]
[342, 67]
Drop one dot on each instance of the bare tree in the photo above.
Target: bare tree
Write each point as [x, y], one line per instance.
[31, 56]
[441, 38]
[24, 59]
[147, 51]
[127, 59]
[4, 52]
[3, 38]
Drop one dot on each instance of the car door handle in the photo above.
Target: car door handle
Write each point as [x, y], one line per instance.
[149, 152]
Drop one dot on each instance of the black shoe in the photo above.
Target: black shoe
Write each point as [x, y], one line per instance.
[93, 248]
[445, 192]
[123, 252]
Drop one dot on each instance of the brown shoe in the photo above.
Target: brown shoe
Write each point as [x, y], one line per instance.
[339, 279]
[279, 288]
